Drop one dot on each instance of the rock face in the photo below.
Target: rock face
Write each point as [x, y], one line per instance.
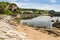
[12, 7]
[9, 32]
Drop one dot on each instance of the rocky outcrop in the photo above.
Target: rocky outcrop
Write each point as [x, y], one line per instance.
[12, 7]
[9, 32]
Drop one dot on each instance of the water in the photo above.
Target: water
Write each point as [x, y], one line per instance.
[41, 21]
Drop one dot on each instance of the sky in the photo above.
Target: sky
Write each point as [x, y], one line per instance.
[37, 4]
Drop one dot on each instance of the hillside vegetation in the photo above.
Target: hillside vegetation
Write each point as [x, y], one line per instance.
[11, 8]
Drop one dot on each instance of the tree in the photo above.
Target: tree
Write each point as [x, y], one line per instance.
[51, 13]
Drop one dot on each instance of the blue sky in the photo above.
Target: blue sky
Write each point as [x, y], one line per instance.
[37, 4]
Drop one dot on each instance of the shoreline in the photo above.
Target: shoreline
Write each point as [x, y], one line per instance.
[31, 32]
[39, 34]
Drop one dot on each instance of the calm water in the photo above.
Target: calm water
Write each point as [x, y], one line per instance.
[41, 21]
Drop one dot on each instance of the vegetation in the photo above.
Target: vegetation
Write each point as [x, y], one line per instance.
[7, 8]
[4, 8]
[3, 5]
[51, 12]
[36, 11]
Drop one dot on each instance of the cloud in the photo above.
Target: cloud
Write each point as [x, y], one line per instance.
[27, 0]
[36, 6]
[22, 4]
[50, 7]
[53, 1]
[12, 1]
[39, 6]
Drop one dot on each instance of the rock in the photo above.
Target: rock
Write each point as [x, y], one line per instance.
[9, 32]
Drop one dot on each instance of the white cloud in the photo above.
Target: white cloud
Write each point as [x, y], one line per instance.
[36, 6]
[50, 7]
[21, 4]
[27, 0]
[39, 6]
[53, 1]
[12, 1]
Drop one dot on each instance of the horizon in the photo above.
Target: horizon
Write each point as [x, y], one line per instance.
[37, 4]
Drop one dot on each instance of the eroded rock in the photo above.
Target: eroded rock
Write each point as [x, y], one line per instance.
[9, 32]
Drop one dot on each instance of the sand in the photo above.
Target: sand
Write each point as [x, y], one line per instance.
[35, 34]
